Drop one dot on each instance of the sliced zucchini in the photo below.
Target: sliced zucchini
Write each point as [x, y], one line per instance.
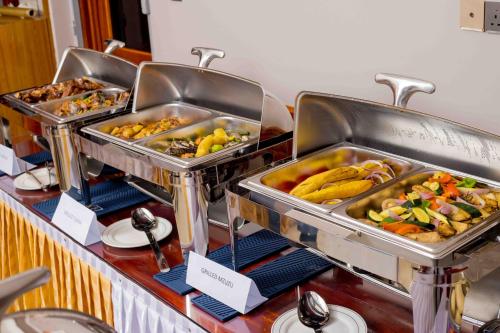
[421, 215]
[434, 186]
[473, 211]
[407, 204]
[406, 216]
[413, 196]
[437, 215]
[398, 210]
[374, 216]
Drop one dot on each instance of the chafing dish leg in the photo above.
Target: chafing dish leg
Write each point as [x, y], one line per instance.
[190, 206]
[234, 220]
[233, 234]
[438, 296]
[4, 131]
[64, 154]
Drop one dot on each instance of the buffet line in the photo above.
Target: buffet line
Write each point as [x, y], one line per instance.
[402, 198]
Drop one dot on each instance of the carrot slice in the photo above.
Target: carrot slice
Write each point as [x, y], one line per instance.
[408, 229]
[392, 226]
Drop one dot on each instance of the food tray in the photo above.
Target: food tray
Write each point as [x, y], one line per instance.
[49, 108]
[192, 114]
[279, 181]
[11, 96]
[200, 129]
[373, 200]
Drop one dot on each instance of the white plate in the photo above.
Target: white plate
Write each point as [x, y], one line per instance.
[26, 182]
[341, 320]
[123, 235]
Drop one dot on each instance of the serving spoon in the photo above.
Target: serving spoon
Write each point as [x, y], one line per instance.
[144, 220]
[313, 311]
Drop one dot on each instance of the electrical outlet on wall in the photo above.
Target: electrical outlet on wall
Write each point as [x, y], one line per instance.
[472, 15]
[492, 16]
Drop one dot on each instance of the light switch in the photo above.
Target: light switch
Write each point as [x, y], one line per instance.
[472, 15]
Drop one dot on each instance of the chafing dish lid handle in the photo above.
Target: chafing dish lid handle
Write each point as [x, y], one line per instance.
[207, 55]
[112, 45]
[403, 87]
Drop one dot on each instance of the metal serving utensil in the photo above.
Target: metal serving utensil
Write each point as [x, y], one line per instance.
[144, 220]
[38, 181]
[313, 311]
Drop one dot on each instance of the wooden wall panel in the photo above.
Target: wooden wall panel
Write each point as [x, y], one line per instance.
[96, 23]
[26, 53]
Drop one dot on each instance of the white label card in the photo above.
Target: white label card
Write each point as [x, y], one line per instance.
[225, 285]
[10, 164]
[77, 221]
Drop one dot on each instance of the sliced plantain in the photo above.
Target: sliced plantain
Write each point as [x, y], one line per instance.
[344, 191]
[313, 183]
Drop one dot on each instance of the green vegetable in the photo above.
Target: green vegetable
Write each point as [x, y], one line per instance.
[434, 186]
[437, 215]
[388, 220]
[406, 216]
[216, 148]
[413, 196]
[428, 226]
[439, 191]
[407, 204]
[374, 216]
[421, 215]
[426, 204]
[412, 203]
[467, 182]
[473, 211]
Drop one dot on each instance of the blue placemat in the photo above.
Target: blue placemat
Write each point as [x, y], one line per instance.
[36, 158]
[272, 279]
[110, 196]
[250, 250]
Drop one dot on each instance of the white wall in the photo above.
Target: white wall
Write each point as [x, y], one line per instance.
[62, 17]
[337, 46]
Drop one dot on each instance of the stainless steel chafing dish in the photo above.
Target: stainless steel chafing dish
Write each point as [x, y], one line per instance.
[435, 275]
[206, 99]
[114, 74]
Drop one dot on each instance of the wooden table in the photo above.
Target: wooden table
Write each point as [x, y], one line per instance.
[382, 310]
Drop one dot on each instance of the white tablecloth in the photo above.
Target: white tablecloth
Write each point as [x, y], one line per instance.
[135, 309]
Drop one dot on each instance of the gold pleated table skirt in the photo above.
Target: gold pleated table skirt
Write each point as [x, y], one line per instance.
[73, 285]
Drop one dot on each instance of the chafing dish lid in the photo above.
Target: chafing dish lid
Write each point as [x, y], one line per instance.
[78, 62]
[322, 120]
[163, 83]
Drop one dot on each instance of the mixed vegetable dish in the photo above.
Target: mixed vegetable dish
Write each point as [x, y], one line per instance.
[439, 208]
[201, 145]
[91, 102]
